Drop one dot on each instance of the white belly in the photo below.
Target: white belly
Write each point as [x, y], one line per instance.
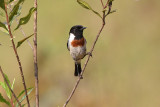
[77, 52]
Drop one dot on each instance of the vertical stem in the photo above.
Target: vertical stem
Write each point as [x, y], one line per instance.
[10, 87]
[17, 56]
[12, 104]
[35, 56]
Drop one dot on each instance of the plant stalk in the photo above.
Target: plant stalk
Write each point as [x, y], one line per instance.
[35, 56]
[17, 56]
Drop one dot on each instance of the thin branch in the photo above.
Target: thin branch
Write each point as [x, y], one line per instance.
[9, 87]
[102, 3]
[35, 56]
[85, 65]
[17, 57]
[106, 4]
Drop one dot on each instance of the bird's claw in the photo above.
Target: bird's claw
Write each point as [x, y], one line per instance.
[89, 53]
[81, 77]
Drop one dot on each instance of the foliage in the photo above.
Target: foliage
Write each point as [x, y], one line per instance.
[21, 41]
[87, 6]
[16, 11]
[9, 94]
[2, 4]
[7, 90]
[3, 28]
[5, 87]
[25, 19]
[3, 100]
[21, 93]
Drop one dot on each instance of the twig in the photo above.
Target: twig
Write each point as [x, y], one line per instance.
[102, 3]
[17, 57]
[85, 65]
[35, 56]
[9, 87]
[106, 4]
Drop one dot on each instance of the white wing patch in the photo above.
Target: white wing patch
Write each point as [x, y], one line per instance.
[71, 37]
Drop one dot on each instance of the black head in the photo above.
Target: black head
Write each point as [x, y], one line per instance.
[77, 30]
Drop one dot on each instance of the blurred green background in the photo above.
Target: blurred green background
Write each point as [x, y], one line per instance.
[124, 70]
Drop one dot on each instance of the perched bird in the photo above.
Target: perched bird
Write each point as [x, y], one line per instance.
[77, 46]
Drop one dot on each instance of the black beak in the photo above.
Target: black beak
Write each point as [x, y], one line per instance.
[83, 28]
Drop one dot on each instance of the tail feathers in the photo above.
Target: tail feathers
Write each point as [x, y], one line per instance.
[77, 69]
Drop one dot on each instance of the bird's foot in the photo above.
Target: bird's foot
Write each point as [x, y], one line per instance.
[80, 76]
[89, 53]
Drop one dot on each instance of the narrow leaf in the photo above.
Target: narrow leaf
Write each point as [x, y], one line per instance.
[2, 4]
[23, 105]
[112, 11]
[24, 96]
[25, 19]
[97, 13]
[9, 94]
[22, 92]
[5, 86]
[87, 6]
[3, 100]
[13, 84]
[84, 4]
[3, 28]
[16, 10]
[21, 41]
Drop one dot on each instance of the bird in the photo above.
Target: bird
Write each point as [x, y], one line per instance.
[76, 44]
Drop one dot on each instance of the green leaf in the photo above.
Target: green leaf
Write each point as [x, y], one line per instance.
[112, 11]
[2, 12]
[4, 85]
[84, 4]
[3, 100]
[8, 92]
[25, 19]
[23, 105]
[2, 4]
[11, 1]
[22, 92]
[21, 41]
[3, 28]
[97, 13]
[87, 6]
[13, 84]
[24, 95]
[16, 10]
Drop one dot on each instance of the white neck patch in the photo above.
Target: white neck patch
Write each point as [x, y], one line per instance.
[71, 37]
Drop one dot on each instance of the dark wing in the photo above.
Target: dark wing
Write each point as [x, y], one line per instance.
[68, 46]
